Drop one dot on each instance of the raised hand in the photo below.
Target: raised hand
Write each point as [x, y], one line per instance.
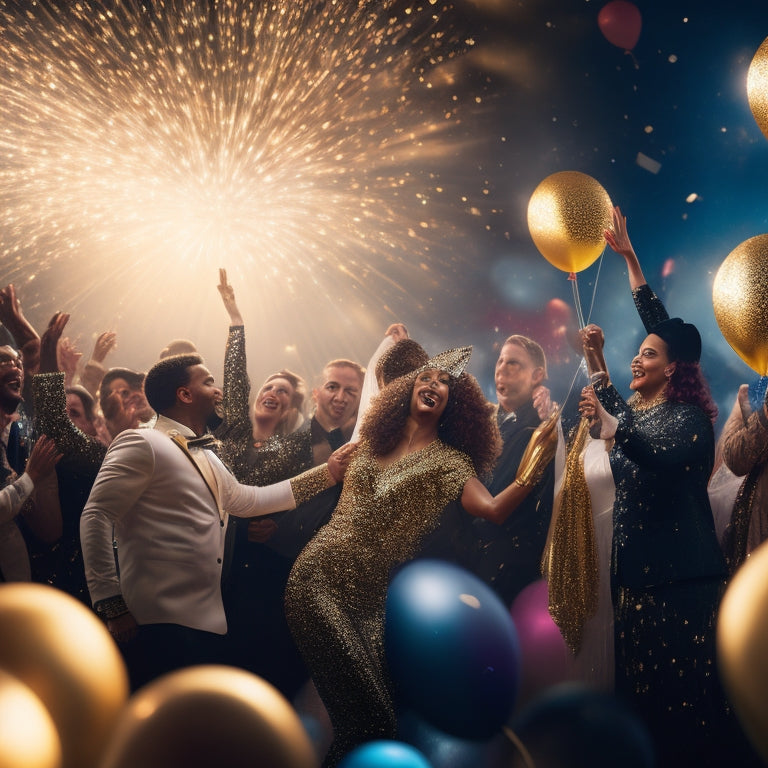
[69, 357]
[228, 297]
[105, 343]
[49, 343]
[12, 317]
[618, 238]
[397, 331]
[593, 340]
[542, 402]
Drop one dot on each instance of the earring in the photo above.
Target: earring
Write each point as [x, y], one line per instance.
[668, 372]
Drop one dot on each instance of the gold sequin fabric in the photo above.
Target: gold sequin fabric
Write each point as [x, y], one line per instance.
[275, 459]
[337, 589]
[571, 566]
[310, 483]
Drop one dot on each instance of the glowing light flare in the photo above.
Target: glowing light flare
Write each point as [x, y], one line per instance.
[148, 140]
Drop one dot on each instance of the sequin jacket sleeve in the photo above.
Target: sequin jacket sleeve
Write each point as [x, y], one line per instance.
[237, 386]
[310, 483]
[51, 419]
[649, 307]
[682, 434]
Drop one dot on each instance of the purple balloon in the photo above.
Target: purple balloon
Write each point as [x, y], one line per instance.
[545, 658]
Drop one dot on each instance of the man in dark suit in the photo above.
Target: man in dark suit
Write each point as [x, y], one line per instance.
[510, 555]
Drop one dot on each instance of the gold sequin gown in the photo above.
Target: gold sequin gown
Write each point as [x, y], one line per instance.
[337, 589]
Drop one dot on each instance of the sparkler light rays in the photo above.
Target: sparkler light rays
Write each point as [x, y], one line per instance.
[312, 149]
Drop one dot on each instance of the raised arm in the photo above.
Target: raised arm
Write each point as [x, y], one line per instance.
[93, 370]
[12, 317]
[228, 297]
[237, 386]
[619, 241]
[25, 336]
[51, 402]
[69, 358]
[647, 303]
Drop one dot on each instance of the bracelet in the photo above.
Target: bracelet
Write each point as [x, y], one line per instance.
[599, 377]
[111, 607]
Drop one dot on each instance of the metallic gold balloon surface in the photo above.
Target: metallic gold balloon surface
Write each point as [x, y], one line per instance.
[740, 301]
[28, 737]
[57, 647]
[209, 715]
[757, 87]
[567, 215]
[742, 646]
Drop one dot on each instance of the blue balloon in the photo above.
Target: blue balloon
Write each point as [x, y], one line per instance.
[452, 649]
[384, 754]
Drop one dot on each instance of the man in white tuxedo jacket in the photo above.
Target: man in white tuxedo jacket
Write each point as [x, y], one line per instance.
[168, 502]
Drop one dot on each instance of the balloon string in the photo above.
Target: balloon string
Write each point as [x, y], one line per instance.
[632, 56]
[582, 366]
[594, 287]
[576, 300]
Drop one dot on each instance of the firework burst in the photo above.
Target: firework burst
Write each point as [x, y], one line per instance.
[312, 149]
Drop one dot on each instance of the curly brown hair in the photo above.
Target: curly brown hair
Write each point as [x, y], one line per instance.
[466, 424]
[688, 385]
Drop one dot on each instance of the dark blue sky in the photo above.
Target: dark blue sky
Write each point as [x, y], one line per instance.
[579, 103]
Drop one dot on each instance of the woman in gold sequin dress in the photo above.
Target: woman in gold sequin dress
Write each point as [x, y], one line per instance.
[425, 440]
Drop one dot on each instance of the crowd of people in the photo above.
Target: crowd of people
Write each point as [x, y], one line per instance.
[207, 524]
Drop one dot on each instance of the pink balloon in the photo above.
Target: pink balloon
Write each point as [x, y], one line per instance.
[620, 22]
[545, 659]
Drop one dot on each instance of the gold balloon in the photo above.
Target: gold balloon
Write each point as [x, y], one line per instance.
[740, 301]
[28, 737]
[742, 646]
[64, 654]
[757, 87]
[209, 715]
[567, 216]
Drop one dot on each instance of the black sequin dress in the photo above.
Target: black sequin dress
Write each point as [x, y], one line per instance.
[258, 636]
[336, 592]
[667, 570]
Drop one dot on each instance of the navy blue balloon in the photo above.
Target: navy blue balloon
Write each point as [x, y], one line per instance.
[452, 649]
[384, 754]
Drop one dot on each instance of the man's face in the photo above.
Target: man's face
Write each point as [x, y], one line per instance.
[337, 398]
[11, 379]
[77, 416]
[131, 397]
[204, 395]
[516, 377]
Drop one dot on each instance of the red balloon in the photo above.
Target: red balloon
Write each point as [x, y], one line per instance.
[620, 22]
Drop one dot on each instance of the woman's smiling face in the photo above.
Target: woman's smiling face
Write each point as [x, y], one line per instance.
[430, 393]
[649, 367]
